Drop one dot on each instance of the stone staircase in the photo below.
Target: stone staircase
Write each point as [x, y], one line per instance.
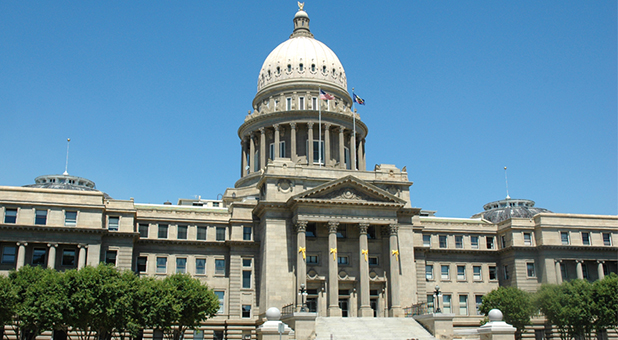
[369, 328]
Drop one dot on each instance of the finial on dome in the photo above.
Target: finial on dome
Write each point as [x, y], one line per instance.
[301, 5]
[301, 23]
[66, 166]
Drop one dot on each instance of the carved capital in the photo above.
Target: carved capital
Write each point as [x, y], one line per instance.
[54, 245]
[558, 261]
[327, 126]
[332, 227]
[301, 226]
[293, 126]
[310, 125]
[262, 130]
[393, 229]
[362, 227]
[276, 127]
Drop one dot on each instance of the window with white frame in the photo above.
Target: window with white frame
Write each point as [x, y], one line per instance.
[461, 273]
[219, 266]
[10, 215]
[246, 233]
[585, 238]
[220, 236]
[113, 222]
[446, 303]
[607, 239]
[489, 240]
[474, 242]
[530, 269]
[527, 239]
[314, 103]
[492, 273]
[143, 230]
[70, 218]
[429, 272]
[200, 266]
[463, 304]
[288, 104]
[478, 299]
[201, 233]
[564, 237]
[301, 103]
[182, 232]
[444, 272]
[142, 262]
[181, 265]
[427, 240]
[430, 303]
[246, 279]
[458, 241]
[246, 311]
[161, 265]
[442, 241]
[163, 230]
[476, 272]
[40, 217]
[221, 297]
[9, 254]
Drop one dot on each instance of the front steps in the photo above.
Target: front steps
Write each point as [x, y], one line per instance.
[369, 328]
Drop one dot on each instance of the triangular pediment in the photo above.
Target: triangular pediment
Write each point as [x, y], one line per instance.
[348, 190]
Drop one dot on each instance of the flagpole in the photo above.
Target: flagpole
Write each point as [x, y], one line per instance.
[354, 134]
[320, 127]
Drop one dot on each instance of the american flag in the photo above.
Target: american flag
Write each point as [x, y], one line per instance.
[326, 96]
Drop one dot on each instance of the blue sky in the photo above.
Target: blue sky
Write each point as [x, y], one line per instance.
[151, 94]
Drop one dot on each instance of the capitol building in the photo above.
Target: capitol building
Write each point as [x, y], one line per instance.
[307, 214]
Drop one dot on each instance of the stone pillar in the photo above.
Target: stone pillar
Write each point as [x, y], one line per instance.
[269, 330]
[51, 258]
[326, 155]
[333, 271]
[365, 306]
[277, 155]
[364, 157]
[558, 272]
[341, 149]
[580, 271]
[353, 152]
[21, 254]
[81, 260]
[243, 161]
[310, 143]
[359, 151]
[262, 148]
[294, 154]
[496, 329]
[395, 310]
[301, 261]
[600, 270]
[251, 153]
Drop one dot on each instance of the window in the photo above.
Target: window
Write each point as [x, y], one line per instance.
[314, 103]
[442, 239]
[289, 68]
[527, 239]
[311, 230]
[506, 272]
[563, 270]
[8, 254]
[200, 266]
[161, 264]
[40, 217]
[503, 241]
[430, 303]
[182, 232]
[217, 335]
[343, 260]
[586, 238]
[220, 267]
[463, 304]
[246, 311]
[10, 215]
[201, 233]
[316, 151]
[246, 262]
[585, 271]
[564, 237]
[112, 222]
[373, 261]
[246, 233]
[141, 264]
[282, 149]
[198, 334]
[459, 242]
[429, 272]
[476, 273]
[478, 299]
[489, 240]
[163, 230]
[446, 303]
[246, 279]
[288, 104]
[444, 272]
[38, 256]
[427, 240]
[110, 257]
[530, 269]
[607, 239]
[492, 273]
[143, 230]
[70, 218]
[312, 259]
[301, 103]
[301, 67]
[474, 241]
[461, 273]
[371, 233]
[181, 265]
[341, 231]
[220, 233]
[221, 297]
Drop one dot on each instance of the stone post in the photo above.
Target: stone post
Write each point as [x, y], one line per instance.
[341, 149]
[269, 330]
[600, 270]
[51, 259]
[21, 254]
[276, 146]
[360, 155]
[243, 161]
[326, 144]
[496, 329]
[81, 260]
[558, 272]
[352, 151]
[396, 310]
[365, 306]
[293, 150]
[310, 143]
[580, 270]
[262, 148]
[252, 153]
[333, 271]
[301, 264]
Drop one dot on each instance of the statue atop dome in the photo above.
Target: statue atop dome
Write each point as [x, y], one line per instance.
[301, 5]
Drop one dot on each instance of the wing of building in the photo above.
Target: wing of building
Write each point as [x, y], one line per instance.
[306, 213]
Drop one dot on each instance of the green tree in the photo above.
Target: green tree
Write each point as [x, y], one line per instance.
[514, 303]
[568, 307]
[8, 297]
[605, 303]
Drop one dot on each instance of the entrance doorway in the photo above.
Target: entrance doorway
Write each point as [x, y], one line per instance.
[344, 305]
[374, 307]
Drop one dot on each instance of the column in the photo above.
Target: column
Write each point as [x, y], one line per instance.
[580, 271]
[310, 143]
[333, 271]
[276, 147]
[353, 151]
[364, 156]
[293, 142]
[262, 148]
[558, 272]
[395, 310]
[81, 260]
[243, 161]
[600, 270]
[365, 307]
[251, 153]
[51, 258]
[301, 261]
[361, 166]
[21, 254]
[326, 144]
[341, 149]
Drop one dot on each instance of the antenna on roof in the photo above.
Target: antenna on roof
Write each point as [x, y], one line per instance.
[507, 185]
[66, 166]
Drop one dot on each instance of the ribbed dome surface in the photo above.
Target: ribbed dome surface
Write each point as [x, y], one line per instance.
[499, 211]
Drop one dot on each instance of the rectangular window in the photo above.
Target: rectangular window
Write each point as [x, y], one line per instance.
[110, 257]
[564, 237]
[246, 279]
[343, 260]
[506, 272]
[38, 256]
[476, 272]
[301, 103]
[346, 157]
[163, 230]
[373, 261]
[311, 230]
[246, 262]
[182, 232]
[430, 303]
[503, 241]
[141, 264]
[474, 241]
[217, 335]
[200, 266]
[282, 149]
[70, 218]
[161, 264]
[314, 103]
[444, 272]
[246, 311]
[489, 240]
[341, 231]
[8, 254]
[10, 215]
[607, 239]
[429, 272]
[442, 239]
[446, 303]
[563, 270]
[201, 233]
[221, 297]
[459, 242]
[586, 238]
[181, 265]
[492, 273]
[68, 257]
[143, 230]
[246, 233]
[312, 259]
[220, 267]
[288, 104]
[463, 304]
[371, 233]
[40, 217]
[271, 151]
[530, 269]
[220, 234]
[461, 273]
[198, 334]
[478, 299]
[112, 223]
[527, 239]
[316, 152]
[585, 271]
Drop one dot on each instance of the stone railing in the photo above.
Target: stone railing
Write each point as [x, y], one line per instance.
[417, 309]
[288, 309]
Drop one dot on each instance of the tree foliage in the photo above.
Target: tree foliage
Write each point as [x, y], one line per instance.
[605, 302]
[8, 296]
[515, 304]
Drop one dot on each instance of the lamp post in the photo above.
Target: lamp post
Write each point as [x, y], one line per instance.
[437, 295]
[302, 291]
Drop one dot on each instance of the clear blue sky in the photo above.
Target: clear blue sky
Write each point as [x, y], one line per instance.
[151, 94]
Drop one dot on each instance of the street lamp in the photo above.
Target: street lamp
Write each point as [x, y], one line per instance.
[437, 295]
[302, 291]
